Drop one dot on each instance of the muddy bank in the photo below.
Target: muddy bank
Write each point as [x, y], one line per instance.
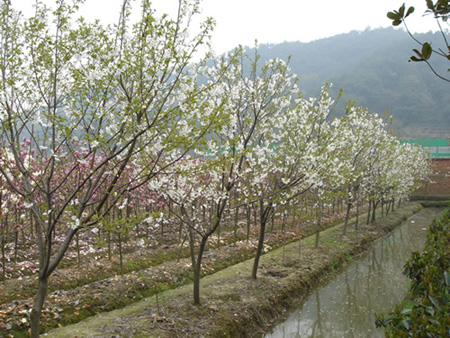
[234, 305]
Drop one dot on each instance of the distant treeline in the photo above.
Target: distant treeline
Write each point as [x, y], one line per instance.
[372, 67]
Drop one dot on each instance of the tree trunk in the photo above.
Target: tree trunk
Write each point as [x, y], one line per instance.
[119, 239]
[16, 240]
[198, 270]
[293, 211]
[4, 230]
[3, 247]
[272, 221]
[194, 266]
[31, 224]
[368, 212]
[318, 225]
[374, 210]
[264, 214]
[180, 231]
[347, 216]
[218, 237]
[357, 215]
[248, 222]
[35, 316]
[197, 261]
[108, 238]
[236, 221]
[77, 244]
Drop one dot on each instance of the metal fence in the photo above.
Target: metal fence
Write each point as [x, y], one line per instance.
[435, 147]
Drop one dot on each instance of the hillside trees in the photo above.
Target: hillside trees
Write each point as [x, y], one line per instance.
[78, 102]
[375, 80]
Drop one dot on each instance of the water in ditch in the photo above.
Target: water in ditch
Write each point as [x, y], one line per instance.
[373, 283]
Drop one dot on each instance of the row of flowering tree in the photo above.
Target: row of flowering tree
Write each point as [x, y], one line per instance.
[274, 146]
[88, 100]
[99, 120]
[377, 167]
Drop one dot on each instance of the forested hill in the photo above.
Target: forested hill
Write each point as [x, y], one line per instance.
[372, 67]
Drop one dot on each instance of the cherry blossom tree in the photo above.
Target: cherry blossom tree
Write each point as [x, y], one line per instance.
[359, 135]
[87, 99]
[398, 172]
[299, 159]
[374, 160]
[236, 154]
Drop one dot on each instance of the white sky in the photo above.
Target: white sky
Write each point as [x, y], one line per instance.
[271, 21]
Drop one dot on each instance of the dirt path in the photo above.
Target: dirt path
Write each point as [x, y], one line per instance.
[233, 304]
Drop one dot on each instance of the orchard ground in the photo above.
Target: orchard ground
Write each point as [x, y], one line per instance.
[234, 305]
[93, 281]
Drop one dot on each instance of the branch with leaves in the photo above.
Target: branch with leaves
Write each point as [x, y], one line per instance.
[440, 10]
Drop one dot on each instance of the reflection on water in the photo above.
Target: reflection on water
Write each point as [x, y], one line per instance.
[346, 306]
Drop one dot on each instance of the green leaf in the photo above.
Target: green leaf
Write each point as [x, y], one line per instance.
[415, 59]
[447, 278]
[405, 324]
[393, 16]
[410, 11]
[430, 4]
[401, 11]
[396, 22]
[435, 302]
[426, 50]
[419, 54]
[388, 321]
[406, 311]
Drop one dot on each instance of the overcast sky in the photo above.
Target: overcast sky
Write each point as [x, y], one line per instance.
[272, 21]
